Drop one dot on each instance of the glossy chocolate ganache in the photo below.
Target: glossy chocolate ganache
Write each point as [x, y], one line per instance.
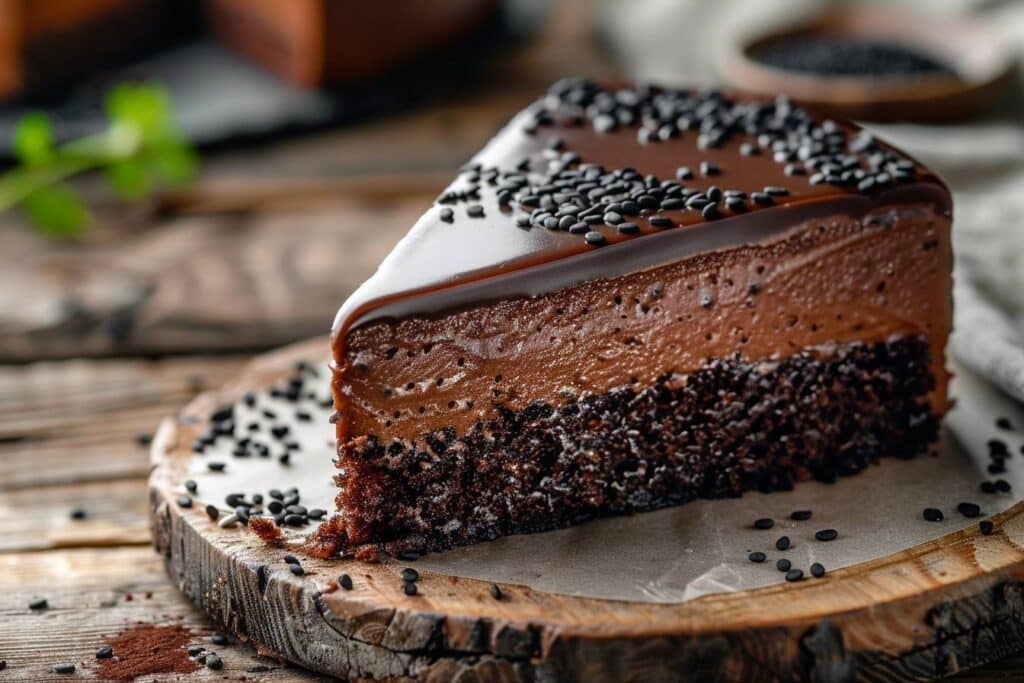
[606, 240]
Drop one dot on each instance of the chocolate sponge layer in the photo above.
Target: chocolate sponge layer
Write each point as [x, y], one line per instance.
[730, 426]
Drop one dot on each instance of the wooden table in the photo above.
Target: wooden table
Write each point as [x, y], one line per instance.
[102, 339]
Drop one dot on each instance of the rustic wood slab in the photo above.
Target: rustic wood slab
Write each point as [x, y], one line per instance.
[929, 611]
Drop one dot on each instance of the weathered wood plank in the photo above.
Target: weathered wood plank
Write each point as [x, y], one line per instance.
[195, 283]
[39, 518]
[93, 595]
[77, 421]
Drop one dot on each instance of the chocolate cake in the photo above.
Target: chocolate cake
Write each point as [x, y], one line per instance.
[336, 43]
[48, 45]
[632, 298]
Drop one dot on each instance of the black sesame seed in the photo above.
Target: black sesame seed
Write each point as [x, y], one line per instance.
[345, 581]
[628, 228]
[709, 168]
[757, 556]
[735, 204]
[213, 512]
[988, 487]
[409, 588]
[775, 191]
[39, 604]
[219, 639]
[783, 565]
[104, 652]
[1004, 423]
[933, 514]
[410, 574]
[1002, 486]
[997, 447]
[495, 591]
[191, 486]
[764, 523]
[316, 513]
[215, 466]
[214, 662]
[475, 211]
[78, 514]
[794, 575]
[296, 569]
[64, 668]
[143, 439]
[594, 238]
[817, 570]
[986, 526]
[222, 414]
[660, 221]
[447, 215]
[290, 559]
[684, 173]
[612, 218]
[800, 515]
[826, 535]
[969, 509]
[782, 543]
[711, 212]
[184, 501]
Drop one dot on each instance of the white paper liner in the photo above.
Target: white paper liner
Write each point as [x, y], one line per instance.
[695, 549]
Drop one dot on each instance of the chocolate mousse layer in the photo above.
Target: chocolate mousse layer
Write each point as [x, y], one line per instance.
[634, 297]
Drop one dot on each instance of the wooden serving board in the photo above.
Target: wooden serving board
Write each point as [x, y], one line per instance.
[928, 611]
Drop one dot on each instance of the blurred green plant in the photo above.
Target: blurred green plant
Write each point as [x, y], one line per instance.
[140, 149]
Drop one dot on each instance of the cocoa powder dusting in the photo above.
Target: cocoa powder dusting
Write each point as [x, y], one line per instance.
[145, 649]
[267, 531]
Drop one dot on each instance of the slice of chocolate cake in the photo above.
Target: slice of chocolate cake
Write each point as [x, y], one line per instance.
[632, 298]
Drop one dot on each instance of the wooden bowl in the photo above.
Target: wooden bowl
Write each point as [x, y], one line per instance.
[980, 58]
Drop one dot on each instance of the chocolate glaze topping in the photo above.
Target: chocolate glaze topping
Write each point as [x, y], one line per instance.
[592, 182]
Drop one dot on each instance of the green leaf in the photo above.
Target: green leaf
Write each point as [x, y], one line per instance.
[128, 178]
[33, 139]
[142, 145]
[174, 163]
[146, 107]
[57, 211]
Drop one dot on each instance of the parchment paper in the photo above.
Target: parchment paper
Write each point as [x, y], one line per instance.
[699, 548]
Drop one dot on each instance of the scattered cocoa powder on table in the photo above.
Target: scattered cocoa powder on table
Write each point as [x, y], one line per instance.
[145, 649]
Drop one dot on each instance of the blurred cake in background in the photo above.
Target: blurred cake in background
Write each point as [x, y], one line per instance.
[316, 43]
[48, 45]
